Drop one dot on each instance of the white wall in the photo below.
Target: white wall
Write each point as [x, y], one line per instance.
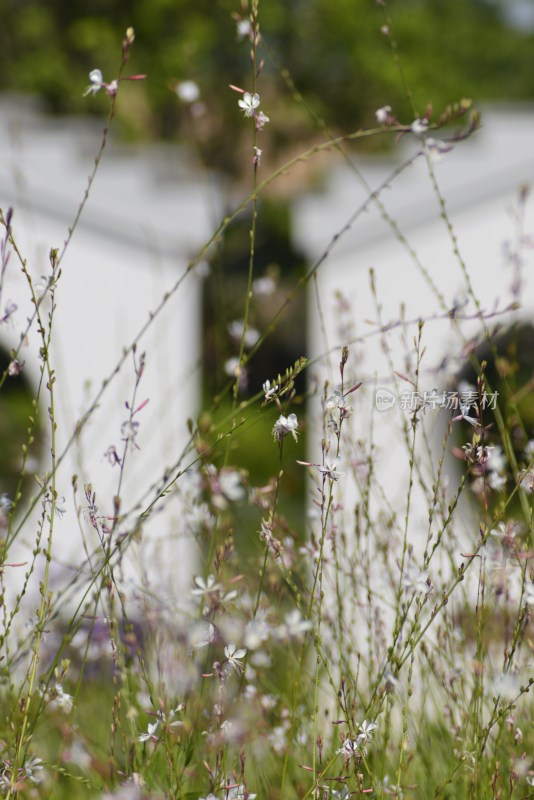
[145, 217]
[480, 180]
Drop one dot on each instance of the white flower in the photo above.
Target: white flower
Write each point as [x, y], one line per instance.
[198, 517]
[187, 91]
[527, 481]
[366, 731]
[269, 390]
[496, 482]
[238, 792]
[231, 366]
[285, 425]
[97, 82]
[382, 114]
[249, 103]
[261, 121]
[264, 286]
[436, 149]
[234, 656]
[33, 769]
[129, 433]
[496, 459]
[464, 414]
[244, 29]
[419, 126]
[256, 632]
[293, 626]
[235, 329]
[60, 699]
[231, 485]
[206, 587]
[5, 502]
[350, 749]
[330, 468]
[201, 635]
[150, 733]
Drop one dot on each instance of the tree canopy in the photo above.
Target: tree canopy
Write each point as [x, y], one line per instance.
[345, 59]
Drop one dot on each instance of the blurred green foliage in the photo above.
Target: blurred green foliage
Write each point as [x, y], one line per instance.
[336, 53]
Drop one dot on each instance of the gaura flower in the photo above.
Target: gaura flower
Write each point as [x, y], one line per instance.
[97, 82]
[249, 103]
[285, 425]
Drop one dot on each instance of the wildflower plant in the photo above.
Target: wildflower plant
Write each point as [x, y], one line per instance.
[378, 642]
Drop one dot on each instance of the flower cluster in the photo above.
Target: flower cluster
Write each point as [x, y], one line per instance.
[356, 748]
[337, 409]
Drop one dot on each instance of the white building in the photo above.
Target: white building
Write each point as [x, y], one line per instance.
[147, 214]
[418, 260]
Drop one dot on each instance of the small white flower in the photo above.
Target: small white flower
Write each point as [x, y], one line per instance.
[129, 432]
[256, 632]
[261, 121]
[34, 770]
[436, 149]
[496, 482]
[527, 481]
[366, 731]
[206, 587]
[464, 415]
[285, 425]
[234, 656]
[97, 82]
[294, 626]
[244, 29]
[235, 329]
[249, 103]
[5, 502]
[383, 114]
[150, 733]
[330, 468]
[269, 391]
[60, 699]
[350, 749]
[497, 459]
[201, 635]
[264, 286]
[419, 126]
[238, 792]
[231, 486]
[231, 366]
[187, 91]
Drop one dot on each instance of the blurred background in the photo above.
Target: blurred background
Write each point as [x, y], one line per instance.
[338, 56]
[327, 67]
